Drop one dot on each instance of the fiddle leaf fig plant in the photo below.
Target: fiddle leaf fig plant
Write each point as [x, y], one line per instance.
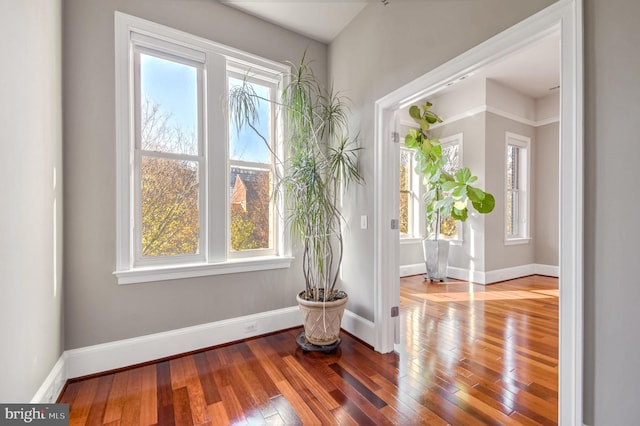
[448, 194]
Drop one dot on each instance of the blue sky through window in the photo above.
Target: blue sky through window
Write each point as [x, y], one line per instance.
[173, 86]
[246, 145]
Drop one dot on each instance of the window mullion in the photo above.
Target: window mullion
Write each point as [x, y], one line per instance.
[216, 153]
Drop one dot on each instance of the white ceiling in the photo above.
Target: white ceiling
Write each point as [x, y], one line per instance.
[532, 71]
[320, 20]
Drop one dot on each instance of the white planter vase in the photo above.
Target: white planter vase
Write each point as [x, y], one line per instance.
[436, 258]
[322, 320]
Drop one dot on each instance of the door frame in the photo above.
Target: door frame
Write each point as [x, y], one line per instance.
[564, 16]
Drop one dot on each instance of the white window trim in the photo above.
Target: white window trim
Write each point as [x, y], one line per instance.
[524, 237]
[128, 28]
[240, 70]
[416, 211]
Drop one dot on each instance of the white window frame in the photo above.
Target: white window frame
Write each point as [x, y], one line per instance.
[216, 60]
[523, 143]
[456, 139]
[179, 54]
[415, 208]
[239, 71]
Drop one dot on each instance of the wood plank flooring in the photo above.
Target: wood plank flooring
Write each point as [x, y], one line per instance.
[470, 355]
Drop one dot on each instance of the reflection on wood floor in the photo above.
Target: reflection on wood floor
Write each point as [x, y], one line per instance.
[470, 355]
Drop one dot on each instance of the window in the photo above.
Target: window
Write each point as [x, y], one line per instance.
[193, 195]
[252, 220]
[168, 158]
[451, 229]
[412, 222]
[410, 216]
[516, 188]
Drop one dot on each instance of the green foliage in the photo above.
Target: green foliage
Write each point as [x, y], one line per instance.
[242, 233]
[169, 189]
[447, 195]
[320, 161]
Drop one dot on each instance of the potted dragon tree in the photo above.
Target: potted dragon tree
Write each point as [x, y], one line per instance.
[318, 160]
[449, 193]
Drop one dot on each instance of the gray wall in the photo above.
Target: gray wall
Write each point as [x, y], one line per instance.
[546, 178]
[31, 328]
[384, 48]
[612, 153]
[498, 255]
[97, 308]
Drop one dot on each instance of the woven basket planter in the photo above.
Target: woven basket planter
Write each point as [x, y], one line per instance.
[322, 320]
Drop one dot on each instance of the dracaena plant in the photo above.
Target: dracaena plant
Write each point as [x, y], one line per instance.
[448, 194]
[320, 160]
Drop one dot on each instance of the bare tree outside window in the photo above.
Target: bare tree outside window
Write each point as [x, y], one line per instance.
[170, 187]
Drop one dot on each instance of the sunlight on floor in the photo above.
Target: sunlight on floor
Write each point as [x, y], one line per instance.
[495, 295]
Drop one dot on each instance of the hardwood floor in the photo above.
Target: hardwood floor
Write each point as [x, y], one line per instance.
[470, 355]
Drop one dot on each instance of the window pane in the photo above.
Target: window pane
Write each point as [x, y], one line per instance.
[251, 212]
[170, 208]
[246, 145]
[513, 158]
[405, 195]
[169, 106]
[452, 153]
[512, 213]
[515, 187]
[449, 229]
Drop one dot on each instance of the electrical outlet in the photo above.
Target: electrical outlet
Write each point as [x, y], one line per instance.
[251, 327]
[364, 222]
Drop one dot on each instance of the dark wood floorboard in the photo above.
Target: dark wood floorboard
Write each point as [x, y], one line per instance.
[469, 355]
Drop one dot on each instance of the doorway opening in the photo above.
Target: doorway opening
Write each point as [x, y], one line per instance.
[564, 17]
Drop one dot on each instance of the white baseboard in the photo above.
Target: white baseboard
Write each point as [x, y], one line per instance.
[548, 270]
[504, 274]
[52, 386]
[123, 353]
[486, 277]
[414, 269]
[477, 277]
[362, 328]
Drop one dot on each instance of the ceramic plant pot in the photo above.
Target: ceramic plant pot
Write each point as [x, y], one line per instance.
[322, 320]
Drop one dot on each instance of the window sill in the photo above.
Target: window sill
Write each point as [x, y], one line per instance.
[516, 241]
[410, 240]
[176, 272]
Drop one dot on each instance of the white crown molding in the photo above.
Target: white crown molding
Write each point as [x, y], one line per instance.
[485, 108]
